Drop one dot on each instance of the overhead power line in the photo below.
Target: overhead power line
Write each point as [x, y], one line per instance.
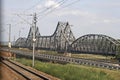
[51, 7]
[32, 7]
[70, 4]
[41, 12]
[44, 15]
[48, 10]
[23, 19]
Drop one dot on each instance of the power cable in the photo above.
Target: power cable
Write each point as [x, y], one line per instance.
[51, 7]
[60, 8]
[24, 19]
[70, 4]
[46, 9]
[32, 6]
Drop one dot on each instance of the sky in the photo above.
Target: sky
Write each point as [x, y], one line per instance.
[84, 16]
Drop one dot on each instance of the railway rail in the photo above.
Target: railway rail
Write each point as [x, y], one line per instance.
[24, 72]
[65, 59]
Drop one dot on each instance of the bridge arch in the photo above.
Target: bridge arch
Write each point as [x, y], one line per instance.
[95, 43]
[20, 42]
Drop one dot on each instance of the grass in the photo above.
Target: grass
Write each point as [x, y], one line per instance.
[91, 56]
[73, 72]
[39, 51]
[47, 52]
[96, 57]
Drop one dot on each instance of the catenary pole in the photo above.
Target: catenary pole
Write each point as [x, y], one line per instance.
[34, 39]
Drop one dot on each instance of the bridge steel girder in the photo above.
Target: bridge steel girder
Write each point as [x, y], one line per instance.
[20, 42]
[95, 43]
[59, 40]
[63, 40]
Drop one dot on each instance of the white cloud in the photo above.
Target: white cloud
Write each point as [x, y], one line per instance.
[39, 6]
[86, 18]
[71, 12]
[107, 21]
[47, 4]
[106, 4]
[51, 3]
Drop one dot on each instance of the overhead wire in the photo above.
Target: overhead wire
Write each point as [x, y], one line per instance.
[59, 8]
[49, 10]
[32, 6]
[24, 19]
[52, 7]
[70, 4]
[23, 13]
[43, 11]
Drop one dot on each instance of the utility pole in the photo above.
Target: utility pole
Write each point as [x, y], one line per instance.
[34, 39]
[9, 43]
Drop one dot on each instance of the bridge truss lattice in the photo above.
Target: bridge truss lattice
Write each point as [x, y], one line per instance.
[63, 40]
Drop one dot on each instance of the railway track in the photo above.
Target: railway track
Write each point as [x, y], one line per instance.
[24, 72]
[81, 61]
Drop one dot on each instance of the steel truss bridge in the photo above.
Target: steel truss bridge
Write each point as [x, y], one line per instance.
[63, 40]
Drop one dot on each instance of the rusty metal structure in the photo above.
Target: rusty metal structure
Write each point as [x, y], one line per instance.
[63, 40]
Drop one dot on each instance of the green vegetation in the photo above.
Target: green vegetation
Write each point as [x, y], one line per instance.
[91, 56]
[73, 72]
[39, 51]
[48, 52]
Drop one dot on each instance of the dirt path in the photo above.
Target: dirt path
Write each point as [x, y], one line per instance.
[8, 74]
